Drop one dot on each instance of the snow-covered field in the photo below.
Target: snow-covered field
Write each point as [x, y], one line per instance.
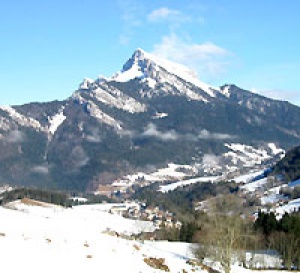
[54, 239]
[46, 238]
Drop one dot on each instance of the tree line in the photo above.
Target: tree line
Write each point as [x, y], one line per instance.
[281, 234]
[58, 198]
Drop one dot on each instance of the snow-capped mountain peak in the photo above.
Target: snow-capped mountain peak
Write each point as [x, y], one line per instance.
[144, 65]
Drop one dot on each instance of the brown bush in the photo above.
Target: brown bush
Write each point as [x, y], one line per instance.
[157, 263]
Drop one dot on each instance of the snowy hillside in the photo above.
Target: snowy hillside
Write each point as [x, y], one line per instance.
[46, 238]
[38, 237]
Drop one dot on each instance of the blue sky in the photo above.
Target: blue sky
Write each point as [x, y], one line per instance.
[48, 47]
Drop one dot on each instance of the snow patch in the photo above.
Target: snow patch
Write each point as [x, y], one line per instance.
[292, 206]
[125, 76]
[294, 183]
[247, 178]
[174, 186]
[160, 115]
[20, 119]
[86, 84]
[248, 155]
[225, 91]
[113, 97]
[55, 121]
[251, 186]
[171, 172]
[95, 112]
[275, 150]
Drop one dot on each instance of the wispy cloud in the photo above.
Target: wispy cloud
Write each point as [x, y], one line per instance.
[15, 136]
[167, 14]
[151, 131]
[211, 159]
[171, 135]
[285, 95]
[130, 11]
[273, 80]
[207, 59]
[93, 136]
[40, 169]
[204, 134]
[79, 157]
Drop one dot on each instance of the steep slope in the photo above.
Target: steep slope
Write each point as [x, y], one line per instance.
[151, 113]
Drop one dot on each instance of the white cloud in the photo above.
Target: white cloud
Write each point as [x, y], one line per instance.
[204, 134]
[211, 159]
[93, 136]
[171, 135]
[130, 16]
[209, 60]
[151, 131]
[286, 95]
[166, 14]
[79, 157]
[40, 169]
[15, 136]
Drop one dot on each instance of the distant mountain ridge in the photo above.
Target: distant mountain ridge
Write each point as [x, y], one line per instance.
[151, 113]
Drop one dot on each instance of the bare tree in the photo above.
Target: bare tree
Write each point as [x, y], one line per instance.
[288, 246]
[223, 234]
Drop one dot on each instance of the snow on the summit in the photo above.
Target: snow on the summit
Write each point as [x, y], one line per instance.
[181, 87]
[152, 69]
[150, 82]
[55, 121]
[128, 75]
[87, 82]
[226, 91]
[20, 119]
[181, 71]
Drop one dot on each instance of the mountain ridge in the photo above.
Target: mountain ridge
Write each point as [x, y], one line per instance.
[142, 117]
